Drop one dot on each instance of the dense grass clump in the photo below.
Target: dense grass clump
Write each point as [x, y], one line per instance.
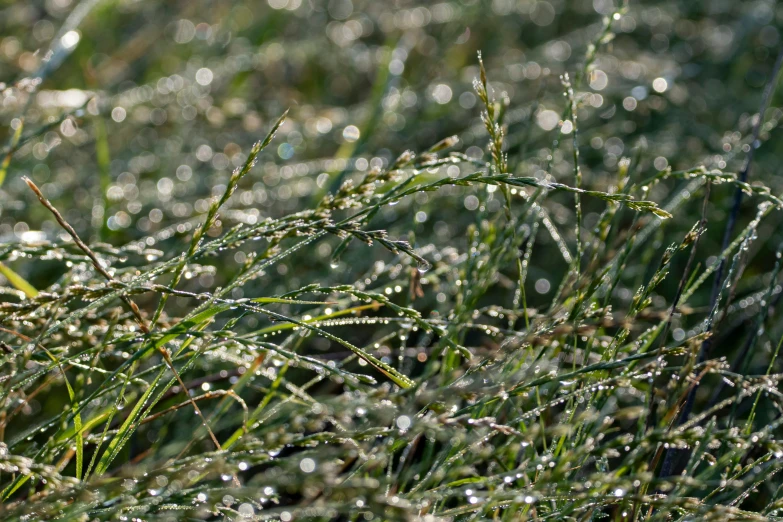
[296, 260]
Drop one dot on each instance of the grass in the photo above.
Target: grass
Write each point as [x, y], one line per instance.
[212, 311]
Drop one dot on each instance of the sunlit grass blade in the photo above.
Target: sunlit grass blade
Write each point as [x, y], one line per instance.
[18, 282]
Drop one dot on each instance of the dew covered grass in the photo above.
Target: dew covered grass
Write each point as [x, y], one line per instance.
[396, 261]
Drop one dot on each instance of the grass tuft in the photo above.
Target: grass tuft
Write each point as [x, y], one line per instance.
[536, 282]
